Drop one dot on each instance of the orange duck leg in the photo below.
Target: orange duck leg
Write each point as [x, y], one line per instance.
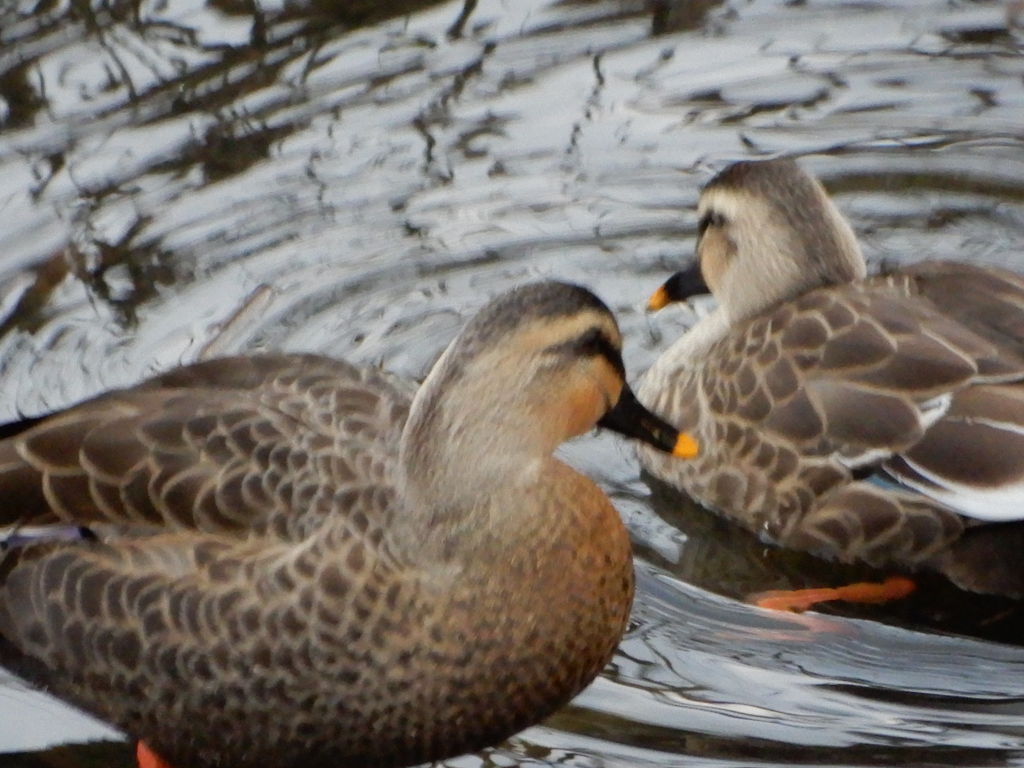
[799, 600]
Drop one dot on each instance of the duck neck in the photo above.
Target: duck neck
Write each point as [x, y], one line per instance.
[696, 341]
[465, 452]
[448, 464]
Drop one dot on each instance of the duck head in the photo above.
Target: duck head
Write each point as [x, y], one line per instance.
[767, 232]
[535, 367]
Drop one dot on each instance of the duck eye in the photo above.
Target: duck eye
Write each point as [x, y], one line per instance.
[593, 343]
[709, 219]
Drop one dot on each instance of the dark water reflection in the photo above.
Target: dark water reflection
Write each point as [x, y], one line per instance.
[180, 179]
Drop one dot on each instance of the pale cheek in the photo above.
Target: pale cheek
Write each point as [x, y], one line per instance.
[583, 407]
[714, 258]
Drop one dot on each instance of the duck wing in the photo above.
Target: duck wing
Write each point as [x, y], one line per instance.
[987, 300]
[232, 505]
[972, 458]
[260, 444]
[888, 373]
[860, 371]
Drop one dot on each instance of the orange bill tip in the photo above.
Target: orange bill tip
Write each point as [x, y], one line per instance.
[686, 447]
[659, 299]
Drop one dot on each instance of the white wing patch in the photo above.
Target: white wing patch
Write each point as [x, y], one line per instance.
[994, 505]
[932, 410]
[928, 413]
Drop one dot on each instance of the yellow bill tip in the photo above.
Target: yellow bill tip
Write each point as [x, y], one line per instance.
[686, 447]
[659, 300]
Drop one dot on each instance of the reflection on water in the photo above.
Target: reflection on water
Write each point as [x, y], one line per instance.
[181, 179]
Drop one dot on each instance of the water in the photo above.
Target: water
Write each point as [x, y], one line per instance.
[180, 180]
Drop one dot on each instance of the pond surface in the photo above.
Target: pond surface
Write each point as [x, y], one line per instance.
[181, 179]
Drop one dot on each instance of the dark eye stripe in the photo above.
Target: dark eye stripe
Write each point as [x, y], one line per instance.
[709, 219]
[592, 343]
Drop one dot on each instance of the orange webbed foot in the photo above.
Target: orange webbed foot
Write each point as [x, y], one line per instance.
[147, 758]
[798, 600]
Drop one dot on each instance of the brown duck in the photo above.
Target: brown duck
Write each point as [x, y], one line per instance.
[878, 419]
[287, 560]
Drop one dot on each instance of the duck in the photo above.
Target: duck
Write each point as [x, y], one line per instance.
[874, 419]
[287, 560]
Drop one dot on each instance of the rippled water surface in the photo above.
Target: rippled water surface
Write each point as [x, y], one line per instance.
[181, 179]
